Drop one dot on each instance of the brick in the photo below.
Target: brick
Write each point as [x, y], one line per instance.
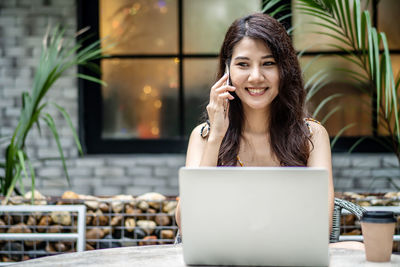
[34, 41]
[13, 112]
[5, 62]
[90, 162]
[140, 171]
[8, 3]
[13, 92]
[13, 31]
[61, 183]
[176, 161]
[6, 103]
[57, 163]
[107, 190]
[84, 181]
[118, 181]
[47, 153]
[339, 160]
[173, 181]
[28, 3]
[148, 181]
[80, 172]
[165, 172]
[370, 161]
[15, 52]
[387, 172]
[390, 161]
[50, 171]
[82, 190]
[354, 172]
[52, 191]
[70, 93]
[342, 184]
[137, 190]
[7, 21]
[151, 160]
[62, 3]
[369, 184]
[167, 191]
[109, 172]
[120, 161]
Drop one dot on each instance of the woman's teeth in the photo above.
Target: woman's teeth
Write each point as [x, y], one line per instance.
[257, 91]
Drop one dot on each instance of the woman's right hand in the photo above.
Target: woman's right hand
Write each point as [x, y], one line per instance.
[219, 101]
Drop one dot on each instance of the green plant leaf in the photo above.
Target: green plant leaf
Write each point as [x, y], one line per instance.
[91, 78]
[330, 113]
[324, 102]
[269, 4]
[71, 126]
[334, 140]
[22, 164]
[50, 123]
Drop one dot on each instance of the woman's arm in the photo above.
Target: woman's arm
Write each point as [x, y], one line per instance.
[320, 156]
[204, 151]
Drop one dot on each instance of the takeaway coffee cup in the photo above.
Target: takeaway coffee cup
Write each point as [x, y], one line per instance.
[378, 229]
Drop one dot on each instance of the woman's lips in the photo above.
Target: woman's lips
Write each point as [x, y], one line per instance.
[256, 91]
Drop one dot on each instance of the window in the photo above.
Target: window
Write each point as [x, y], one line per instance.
[159, 73]
[164, 63]
[356, 107]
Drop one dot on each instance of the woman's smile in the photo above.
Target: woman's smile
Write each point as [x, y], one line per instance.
[256, 91]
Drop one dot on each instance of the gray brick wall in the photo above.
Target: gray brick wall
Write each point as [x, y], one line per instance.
[22, 26]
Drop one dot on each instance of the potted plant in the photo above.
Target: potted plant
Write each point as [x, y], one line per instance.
[59, 53]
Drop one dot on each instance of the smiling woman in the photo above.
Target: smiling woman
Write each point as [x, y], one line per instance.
[265, 123]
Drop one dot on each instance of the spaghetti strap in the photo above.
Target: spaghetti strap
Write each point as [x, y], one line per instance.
[307, 121]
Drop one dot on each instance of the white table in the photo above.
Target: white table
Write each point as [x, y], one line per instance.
[171, 256]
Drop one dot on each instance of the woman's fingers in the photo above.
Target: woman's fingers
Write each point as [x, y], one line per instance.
[225, 95]
[220, 82]
[225, 88]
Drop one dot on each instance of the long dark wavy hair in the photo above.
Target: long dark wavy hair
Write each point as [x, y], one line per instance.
[289, 135]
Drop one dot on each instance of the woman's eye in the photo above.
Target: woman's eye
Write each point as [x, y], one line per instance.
[242, 64]
[269, 63]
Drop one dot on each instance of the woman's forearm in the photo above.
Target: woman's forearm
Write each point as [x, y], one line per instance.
[210, 154]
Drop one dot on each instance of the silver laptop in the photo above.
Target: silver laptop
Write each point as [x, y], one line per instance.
[254, 216]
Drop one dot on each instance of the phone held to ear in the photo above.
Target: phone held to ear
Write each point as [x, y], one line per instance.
[226, 104]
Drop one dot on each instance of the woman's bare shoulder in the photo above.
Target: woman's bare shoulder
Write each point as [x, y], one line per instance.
[196, 133]
[317, 130]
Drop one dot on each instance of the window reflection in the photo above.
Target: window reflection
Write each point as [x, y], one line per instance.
[354, 105]
[140, 26]
[206, 21]
[199, 76]
[140, 100]
[387, 12]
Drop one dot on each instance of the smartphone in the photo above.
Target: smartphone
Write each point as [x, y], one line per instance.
[226, 104]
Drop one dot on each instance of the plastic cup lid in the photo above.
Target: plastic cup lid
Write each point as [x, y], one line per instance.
[378, 217]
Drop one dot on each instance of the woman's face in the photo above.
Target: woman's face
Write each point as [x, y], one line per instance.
[254, 73]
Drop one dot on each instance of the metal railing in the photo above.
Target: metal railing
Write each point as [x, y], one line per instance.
[79, 236]
[394, 209]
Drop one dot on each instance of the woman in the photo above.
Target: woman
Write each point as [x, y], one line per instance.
[259, 119]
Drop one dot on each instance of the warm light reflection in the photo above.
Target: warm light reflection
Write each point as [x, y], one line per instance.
[155, 131]
[115, 24]
[163, 10]
[147, 89]
[158, 104]
[176, 60]
[173, 85]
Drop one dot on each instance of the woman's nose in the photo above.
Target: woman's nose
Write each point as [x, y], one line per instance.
[256, 75]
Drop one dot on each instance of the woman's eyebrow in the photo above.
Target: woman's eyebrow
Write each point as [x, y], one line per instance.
[246, 58]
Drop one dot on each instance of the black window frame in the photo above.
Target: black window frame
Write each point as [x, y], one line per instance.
[90, 99]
